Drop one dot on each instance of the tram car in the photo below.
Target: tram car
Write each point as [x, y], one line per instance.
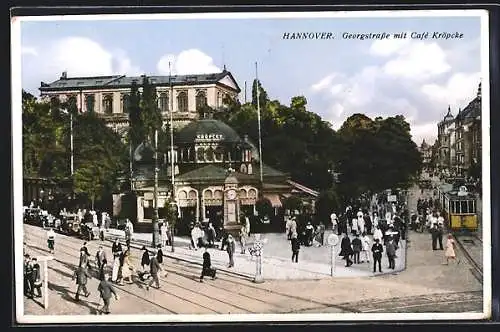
[459, 207]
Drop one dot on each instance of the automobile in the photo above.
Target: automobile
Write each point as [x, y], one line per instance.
[70, 224]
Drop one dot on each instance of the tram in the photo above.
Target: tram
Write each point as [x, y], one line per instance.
[459, 208]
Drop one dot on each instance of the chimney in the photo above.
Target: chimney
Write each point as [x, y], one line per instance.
[64, 75]
[479, 91]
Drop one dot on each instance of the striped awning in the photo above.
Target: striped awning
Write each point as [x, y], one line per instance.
[274, 199]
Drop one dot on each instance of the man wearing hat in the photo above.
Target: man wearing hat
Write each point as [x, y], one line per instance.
[390, 249]
[154, 268]
[28, 270]
[377, 250]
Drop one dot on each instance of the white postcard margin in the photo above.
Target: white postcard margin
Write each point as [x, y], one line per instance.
[18, 182]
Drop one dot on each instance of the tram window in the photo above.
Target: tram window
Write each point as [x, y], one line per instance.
[463, 207]
[453, 207]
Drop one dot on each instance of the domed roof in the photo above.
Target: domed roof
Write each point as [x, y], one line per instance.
[207, 130]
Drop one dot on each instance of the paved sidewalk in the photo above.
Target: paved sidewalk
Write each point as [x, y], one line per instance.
[275, 264]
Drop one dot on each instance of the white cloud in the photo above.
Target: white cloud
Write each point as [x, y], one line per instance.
[427, 131]
[409, 81]
[192, 61]
[418, 61]
[78, 56]
[457, 92]
[323, 84]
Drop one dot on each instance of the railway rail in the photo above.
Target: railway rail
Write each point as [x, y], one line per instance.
[468, 243]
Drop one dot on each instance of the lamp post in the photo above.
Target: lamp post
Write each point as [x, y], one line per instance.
[155, 195]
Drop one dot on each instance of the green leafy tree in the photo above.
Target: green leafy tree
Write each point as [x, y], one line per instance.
[136, 129]
[263, 97]
[150, 113]
[100, 157]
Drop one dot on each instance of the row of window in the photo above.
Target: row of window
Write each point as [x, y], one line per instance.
[163, 102]
[207, 155]
[460, 207]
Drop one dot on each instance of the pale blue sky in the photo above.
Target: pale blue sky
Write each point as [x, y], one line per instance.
[364, 81]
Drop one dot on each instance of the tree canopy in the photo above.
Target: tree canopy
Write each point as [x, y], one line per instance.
[369, 155]
[99, 154]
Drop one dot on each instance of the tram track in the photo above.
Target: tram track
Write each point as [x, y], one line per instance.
[477, 266]
[190, 272]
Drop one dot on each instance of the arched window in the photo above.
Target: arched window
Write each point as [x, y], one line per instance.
[72, 105]
[243, 169]
[125, 103]
[185, 154]
[89, 103]
[107, 104]
[201, 100]
[163, 102]
[219, 154]
[191, 154]
[219, 99]
[201, 154]
[209, 154]
[182, 102]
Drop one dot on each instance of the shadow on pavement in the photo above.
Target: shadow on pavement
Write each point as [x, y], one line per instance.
[65, 295]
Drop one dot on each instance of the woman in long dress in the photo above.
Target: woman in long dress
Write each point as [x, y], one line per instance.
[126, 267]
[450, 250]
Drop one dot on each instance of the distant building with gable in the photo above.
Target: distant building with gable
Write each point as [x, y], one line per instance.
[458, 146]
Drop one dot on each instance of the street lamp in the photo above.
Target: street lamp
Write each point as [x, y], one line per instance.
[156, 239]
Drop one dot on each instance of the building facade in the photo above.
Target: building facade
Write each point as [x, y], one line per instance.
[426, 153]
[108, 96]
[459, 140]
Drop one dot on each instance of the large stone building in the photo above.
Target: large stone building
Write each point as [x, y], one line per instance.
[108, 95]
[217, 172]
[459, 139]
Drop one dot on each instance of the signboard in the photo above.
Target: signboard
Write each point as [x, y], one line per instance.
[392, 198]
[148, 196]
[209, 137]
[332, 240]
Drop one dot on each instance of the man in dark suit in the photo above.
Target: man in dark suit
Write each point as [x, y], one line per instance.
[346, 249]
[207, 269]
[106, 289]
[81, 275]
[377, 250]
[439, 235]
[154, 268]
[390, 249]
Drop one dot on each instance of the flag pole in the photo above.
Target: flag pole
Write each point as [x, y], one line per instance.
[171, 129]
[258, 119]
